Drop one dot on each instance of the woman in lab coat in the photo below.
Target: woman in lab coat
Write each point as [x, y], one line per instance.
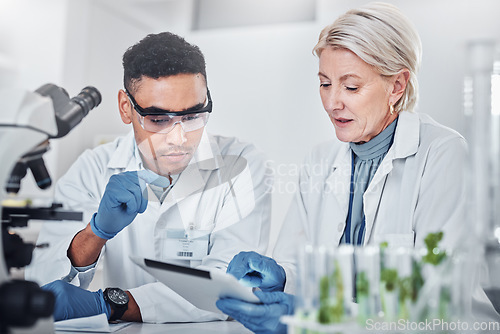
[394, 175]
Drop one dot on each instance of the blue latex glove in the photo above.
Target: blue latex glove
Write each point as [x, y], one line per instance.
[260, 318]
[74, 302]
[255, 270]
[122, 200]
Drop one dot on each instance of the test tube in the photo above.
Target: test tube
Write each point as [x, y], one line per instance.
[405, 265]
[335, 283]
[307, 302]
[434, 299]
[367, 264]
[397, 266]
[345, 258]
[482, 124]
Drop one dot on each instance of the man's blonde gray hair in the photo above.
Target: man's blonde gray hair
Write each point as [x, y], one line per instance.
[382, 37]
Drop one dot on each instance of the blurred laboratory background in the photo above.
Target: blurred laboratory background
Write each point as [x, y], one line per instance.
[260, 67]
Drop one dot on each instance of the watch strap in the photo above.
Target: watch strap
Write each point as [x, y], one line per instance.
[118, 310]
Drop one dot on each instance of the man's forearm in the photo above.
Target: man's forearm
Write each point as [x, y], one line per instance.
[133, 312]
[85, 248]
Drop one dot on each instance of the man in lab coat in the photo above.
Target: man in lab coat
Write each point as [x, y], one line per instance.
[167, 191]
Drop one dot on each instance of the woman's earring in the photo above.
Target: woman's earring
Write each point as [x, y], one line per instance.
[391, 108]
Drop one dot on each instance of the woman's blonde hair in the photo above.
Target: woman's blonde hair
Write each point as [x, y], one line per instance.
[384, 38]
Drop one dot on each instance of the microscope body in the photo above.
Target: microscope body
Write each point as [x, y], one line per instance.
[27, 121]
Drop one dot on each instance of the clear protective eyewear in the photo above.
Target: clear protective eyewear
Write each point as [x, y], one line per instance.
[159, 120]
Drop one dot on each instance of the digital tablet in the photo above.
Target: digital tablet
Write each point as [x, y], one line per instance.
[202, 288]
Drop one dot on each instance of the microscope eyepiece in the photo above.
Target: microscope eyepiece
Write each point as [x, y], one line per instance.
[73, 111]
[88, 99]
[70, 112]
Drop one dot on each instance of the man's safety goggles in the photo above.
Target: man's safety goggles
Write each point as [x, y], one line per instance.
[159, 120]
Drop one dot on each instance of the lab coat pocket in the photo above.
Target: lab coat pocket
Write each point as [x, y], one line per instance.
[396, 240]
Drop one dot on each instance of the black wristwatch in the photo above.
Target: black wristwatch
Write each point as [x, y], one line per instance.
[118, 300]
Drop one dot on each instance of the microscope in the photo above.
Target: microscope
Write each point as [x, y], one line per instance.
[28, 120]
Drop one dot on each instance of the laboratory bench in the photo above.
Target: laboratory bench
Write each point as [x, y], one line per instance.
[219, 327]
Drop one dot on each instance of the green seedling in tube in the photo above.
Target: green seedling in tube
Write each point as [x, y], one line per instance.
[362, 285]
[409, 288]
[389, 299]
[362, 296]
[390, 278]
[331, 309]
[434, 255]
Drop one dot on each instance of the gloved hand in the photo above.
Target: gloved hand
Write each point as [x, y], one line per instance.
[74, 302]
[256, 270]
[260, 318]
[121, 202]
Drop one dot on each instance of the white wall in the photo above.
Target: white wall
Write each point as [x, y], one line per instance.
[263, 79]
[32, 43]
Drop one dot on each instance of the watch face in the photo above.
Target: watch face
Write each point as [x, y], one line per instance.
[117, 296]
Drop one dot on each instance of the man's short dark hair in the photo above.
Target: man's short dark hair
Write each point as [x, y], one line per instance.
[161, 55]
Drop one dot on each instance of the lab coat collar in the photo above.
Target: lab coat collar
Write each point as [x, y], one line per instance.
[208, 155]
[407, 136]
[406, 141]
[193, 179]
[339, 178]
[405, 144]
[124, 156]
[343, 158]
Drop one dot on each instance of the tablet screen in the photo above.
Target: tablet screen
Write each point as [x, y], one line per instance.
[202, 288]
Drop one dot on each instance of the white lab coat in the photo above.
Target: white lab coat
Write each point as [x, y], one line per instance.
[418, 188]
[235, 215]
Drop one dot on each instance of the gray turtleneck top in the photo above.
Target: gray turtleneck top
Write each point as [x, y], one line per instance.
[366, 159]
